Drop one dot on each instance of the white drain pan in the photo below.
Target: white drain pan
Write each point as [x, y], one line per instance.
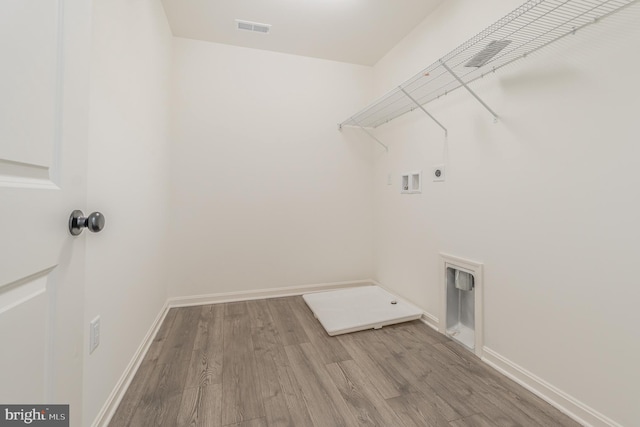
[357, 309]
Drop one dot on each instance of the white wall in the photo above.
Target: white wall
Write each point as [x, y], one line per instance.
[266, 192]
[546, 199]
[128, 169]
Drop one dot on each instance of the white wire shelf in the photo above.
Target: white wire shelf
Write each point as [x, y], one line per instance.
[532, 26]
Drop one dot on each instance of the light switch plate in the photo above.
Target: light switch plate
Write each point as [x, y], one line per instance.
[94, 334]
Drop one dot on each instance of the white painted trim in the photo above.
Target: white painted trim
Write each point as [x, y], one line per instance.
[223, 297]
[109, 408]
[427, 318]
[375, 282]
[431, 321]
[567, 404]
[551, 394]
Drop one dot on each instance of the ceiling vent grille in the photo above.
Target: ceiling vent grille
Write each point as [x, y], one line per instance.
[485, 55]
[253, 26]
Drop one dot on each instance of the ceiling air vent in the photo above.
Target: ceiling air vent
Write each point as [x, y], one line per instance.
[485, 55]
[253, 26]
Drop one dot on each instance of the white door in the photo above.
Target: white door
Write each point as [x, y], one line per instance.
[44, 74]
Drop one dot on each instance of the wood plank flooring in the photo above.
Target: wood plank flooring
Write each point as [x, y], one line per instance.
[270, 363]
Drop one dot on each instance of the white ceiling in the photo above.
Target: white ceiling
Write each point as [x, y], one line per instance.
[356, 31]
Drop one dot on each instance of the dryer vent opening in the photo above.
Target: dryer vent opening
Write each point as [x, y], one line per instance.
[462, 302]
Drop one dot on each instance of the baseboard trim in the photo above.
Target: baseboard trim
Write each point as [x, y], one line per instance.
[431, 321]
[109, 408]
[567, 404]
[427, 318]
[224, 297]
[556, 397]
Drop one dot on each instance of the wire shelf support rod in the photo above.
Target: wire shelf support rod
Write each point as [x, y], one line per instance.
[446, 132]
[495, 116]
[372, 136]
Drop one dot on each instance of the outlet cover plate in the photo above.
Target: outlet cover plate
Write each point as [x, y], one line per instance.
[438, 173]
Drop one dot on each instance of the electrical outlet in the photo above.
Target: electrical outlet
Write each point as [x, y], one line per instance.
[94, 334]
[438, 173]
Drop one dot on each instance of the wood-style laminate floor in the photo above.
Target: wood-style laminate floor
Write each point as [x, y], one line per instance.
[270, 363]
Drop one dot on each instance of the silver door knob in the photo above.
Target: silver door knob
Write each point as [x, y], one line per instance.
[77, 222]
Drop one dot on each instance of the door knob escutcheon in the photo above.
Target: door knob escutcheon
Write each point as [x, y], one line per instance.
[77, 222]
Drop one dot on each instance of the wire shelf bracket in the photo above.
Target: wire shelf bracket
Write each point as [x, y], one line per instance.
[527, 29]
[368, 133]
[495, 116]
[446, 132]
